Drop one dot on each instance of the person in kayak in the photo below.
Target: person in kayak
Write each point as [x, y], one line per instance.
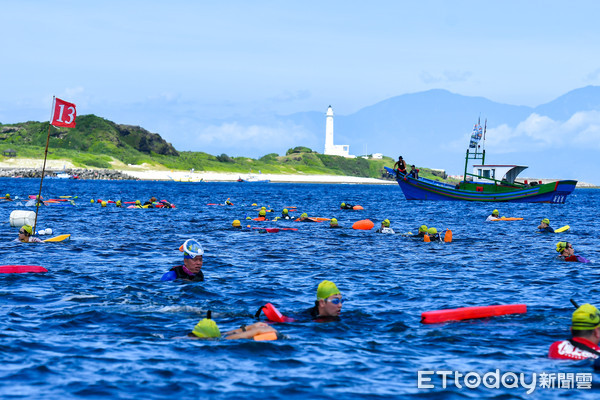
[328, 305]
[191, 270]
[545, 226]
[25, 235]
[385, 227]
[346, 206]
[207, 328]
[585, 335]
[495, 215]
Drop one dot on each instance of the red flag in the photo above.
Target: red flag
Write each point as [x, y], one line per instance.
[63, 113]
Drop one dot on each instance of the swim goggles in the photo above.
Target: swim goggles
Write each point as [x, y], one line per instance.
[335, 301]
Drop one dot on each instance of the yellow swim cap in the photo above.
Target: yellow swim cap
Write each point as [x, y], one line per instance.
[248, 218]
[92, 201]
[585, 317]
[560, 246]
[28, 229]
[7, 196]
[385, 222]
[236, 223]
[495, 212]
[253, 204]
[285, 210]
[432, 231]
[546, 221]
[262, 213]
[137, 202]
[263, 208]
[207, 328]
[343, 205]
[326, 289]
[423, 228]
[304, 215]
[333, 221]
[103, 204]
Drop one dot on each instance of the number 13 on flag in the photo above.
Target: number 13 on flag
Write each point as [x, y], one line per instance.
[63, 113]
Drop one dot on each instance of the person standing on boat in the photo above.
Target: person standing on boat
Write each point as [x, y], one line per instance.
[25, 235]
[414, 172]
[585, 335]
[191, 270]
[545, 226]
[401, 165]
[495, 215]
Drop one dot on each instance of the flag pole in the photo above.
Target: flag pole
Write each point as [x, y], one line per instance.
[39, 196]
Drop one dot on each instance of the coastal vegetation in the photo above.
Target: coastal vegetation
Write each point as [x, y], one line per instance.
[99, 143]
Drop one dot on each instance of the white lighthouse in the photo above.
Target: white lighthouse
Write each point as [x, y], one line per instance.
[330, 148]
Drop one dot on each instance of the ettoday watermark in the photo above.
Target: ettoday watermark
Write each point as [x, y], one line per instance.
[506, 380]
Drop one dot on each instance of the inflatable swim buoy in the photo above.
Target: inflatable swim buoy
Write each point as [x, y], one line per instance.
[265, 336]
[19, 269]
[507, 219]
[358, 208]
[363, 225]
[458, 314]
[272, 314]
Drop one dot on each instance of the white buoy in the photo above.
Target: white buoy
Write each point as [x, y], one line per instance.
[18, 218]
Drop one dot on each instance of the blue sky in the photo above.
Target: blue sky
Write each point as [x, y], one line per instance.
[195, 71]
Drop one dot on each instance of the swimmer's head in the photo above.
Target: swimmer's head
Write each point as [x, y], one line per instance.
[326, 289]
[27, 229]
[236, 223]
[207, 328]
[423, 228]
[546, 221]
[495, 212]
[386, 223]
[432, 231]
[585, 317]
[304, 215]
[191, 249]
[262, 213]
[285, 211]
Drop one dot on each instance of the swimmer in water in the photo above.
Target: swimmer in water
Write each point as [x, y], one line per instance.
[25, 235]
[346, 206]
[191, 270]
[285, 214]
[208, 328]
[385, 227]
[585, 335]
[333, 223]
[545, 226]
[328, 305]
[495, 215]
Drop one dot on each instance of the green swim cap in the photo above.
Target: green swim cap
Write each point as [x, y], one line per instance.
[103, 204]
[207, 328]
[28, 229]
[333, 221]
[304, 215]
[262, 213]
[7, 196]
[560, 246]
[546, 221]
[137, 202]
[263, 208]
[585, 317]
[326, 289]
[343, 205]
[118, 202]
[385, 222]
[432, 231]
[236, 223]
[285, 210]
[423, 228]
[495, 212]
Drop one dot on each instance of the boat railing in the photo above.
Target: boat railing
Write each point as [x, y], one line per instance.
[495, 181]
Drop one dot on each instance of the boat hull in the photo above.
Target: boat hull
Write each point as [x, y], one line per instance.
[425, 189]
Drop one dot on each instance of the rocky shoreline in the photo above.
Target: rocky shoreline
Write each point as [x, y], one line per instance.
[80, 173]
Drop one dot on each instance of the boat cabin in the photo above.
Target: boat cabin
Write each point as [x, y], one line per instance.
[507, 173]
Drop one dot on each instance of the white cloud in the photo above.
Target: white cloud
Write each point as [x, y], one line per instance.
[581, 131]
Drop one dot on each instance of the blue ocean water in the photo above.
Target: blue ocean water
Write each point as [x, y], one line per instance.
[101, 325]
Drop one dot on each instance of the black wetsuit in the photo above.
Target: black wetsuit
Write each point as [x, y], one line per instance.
[347, 207]
[285, 216]
[547, 229]
[314, 315]
[181, 274]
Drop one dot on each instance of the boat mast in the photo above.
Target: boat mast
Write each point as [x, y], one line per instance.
[476, 135]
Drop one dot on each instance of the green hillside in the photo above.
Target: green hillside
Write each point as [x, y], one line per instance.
[97, 142]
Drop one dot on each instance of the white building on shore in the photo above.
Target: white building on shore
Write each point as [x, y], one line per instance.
[330, 148]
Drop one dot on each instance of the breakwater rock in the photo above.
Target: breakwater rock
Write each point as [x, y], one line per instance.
[73, 173]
